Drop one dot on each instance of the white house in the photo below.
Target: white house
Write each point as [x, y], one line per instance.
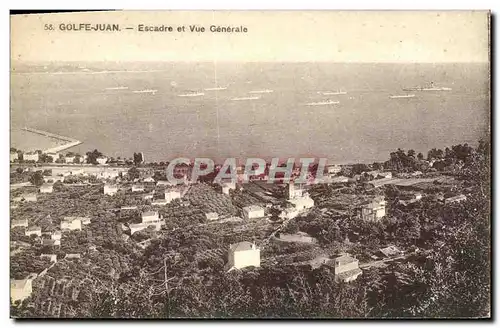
[253, 211]
[110, 189]
[170, 195]
[102, 160]
[294, 191]
[72, 256]
[212, 216]
[56, 235]
[346, 268]
[31, 156]
[149, 195]
[20, 289]
[243, 254]
[51, 157]
[339, 179]
[303, 202]
[159, 202]
[150, 217]
[149, 180]
[334, 169]
[227, 186]
[33, 231]
[14, 156]
[69, 159]
[374, 210]
[138, 188]
[71, 223]
[46, 188]
[19, 223]
[86, 220]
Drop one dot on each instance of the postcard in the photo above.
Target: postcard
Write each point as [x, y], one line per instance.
[250, 164]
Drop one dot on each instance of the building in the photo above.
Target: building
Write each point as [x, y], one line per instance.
[294, 191]
[46, 188]
[334, 169]
[289, 213]
[72, 256]
[253, 212]
[56, 235]
[19, 223]
[51, 257]
[128, 208]
[31, 156]
[339, 179]
[391, 251]
[71, 223]
[20, 289]
[149, 180]
[302, 203]
[51, 157]
[150, 217]
[14, 156]
[33, 231]
[242, 255]
[102, 160]
[455, 199]
[212, 216]
[86, 221]
[69, 159]
[149, 196]
[138, 188]
[346, 268]
[110, 189]
[159, 202]
[170, 195]
[374, 210]
[227, 186]
[299, 237]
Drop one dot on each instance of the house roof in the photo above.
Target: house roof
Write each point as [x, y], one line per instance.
[390, 251]
[241, 246]
[345, 259]
[149, 213]
[252, 208]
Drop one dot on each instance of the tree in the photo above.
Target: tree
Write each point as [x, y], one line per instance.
[420, 156]
[37, 178]
[133, 173]
[138, 159]
[92, 156]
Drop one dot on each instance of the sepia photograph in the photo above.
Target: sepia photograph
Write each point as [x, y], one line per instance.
[250, 165]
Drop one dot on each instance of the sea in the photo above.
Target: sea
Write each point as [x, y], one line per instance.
[253, 109]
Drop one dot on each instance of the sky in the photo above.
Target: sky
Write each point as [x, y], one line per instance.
[287, 36]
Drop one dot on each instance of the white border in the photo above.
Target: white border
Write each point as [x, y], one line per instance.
[204, 5]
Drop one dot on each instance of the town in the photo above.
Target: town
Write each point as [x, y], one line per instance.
[96, 236]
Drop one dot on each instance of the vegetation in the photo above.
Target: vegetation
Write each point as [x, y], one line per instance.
[179, 271]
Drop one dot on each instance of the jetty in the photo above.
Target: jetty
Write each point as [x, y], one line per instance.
[69, 142]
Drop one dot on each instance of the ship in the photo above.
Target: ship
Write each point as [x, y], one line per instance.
[401, 96]
[216, 89]
[321, 103]
[192, 94]
[332, 93]
[430, 87]
[261, 91]
[145, 91]
[246, 98]
[117, 88]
